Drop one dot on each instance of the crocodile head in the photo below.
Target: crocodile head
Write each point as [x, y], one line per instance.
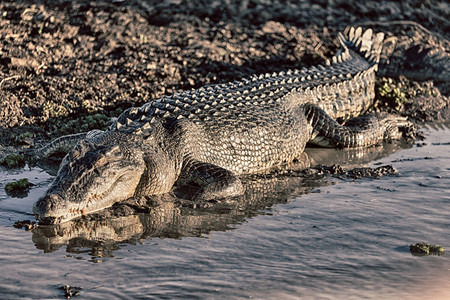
[94, 175]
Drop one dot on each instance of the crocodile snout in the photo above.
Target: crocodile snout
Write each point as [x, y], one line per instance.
[47, 206]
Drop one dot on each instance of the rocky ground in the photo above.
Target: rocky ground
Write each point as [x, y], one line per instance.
[68, 66]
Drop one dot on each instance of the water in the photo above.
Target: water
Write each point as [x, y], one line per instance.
[288, 238]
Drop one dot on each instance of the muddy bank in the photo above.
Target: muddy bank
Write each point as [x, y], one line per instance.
[68, 66]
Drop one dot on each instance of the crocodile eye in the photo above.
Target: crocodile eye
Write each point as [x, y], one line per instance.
[101, 161]
[114, 152]
[76, 153]
[81, 148]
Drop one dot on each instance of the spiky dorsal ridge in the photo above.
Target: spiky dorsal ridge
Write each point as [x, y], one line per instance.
[365, 43]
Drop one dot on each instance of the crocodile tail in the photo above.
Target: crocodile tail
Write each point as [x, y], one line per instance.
[62, 144]
[365, 43]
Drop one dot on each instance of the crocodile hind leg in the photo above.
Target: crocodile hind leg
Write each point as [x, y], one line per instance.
[215, 182]
[358, 132]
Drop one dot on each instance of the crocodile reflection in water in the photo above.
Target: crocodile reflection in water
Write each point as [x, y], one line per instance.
[166, 217]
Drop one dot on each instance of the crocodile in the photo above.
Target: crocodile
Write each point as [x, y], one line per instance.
[211, 136]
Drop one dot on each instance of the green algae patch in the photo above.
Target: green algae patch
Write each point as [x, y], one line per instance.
[13, 161]
[417, 100]
[437, 249]
[423, 249]
[21, 185]
[392, 93]
[81, 124]
[25, 138]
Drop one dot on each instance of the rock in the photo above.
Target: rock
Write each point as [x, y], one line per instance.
[423, 249]
[71, 291]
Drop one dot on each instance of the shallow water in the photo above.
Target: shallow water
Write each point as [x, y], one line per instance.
[287, 238]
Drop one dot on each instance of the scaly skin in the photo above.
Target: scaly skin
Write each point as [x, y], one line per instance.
[210, 136]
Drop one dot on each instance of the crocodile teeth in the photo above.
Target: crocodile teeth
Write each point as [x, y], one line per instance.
[129, 121]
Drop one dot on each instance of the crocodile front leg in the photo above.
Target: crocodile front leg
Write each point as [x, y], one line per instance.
[215, 182]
